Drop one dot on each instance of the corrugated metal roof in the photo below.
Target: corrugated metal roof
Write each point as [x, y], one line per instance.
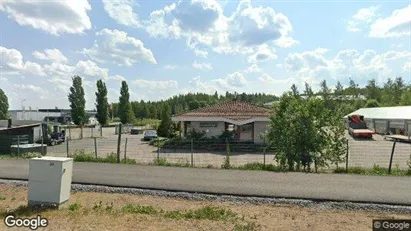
[388, 113]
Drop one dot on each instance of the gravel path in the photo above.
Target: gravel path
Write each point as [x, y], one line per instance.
[325, 205]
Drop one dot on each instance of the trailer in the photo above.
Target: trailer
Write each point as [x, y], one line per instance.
[398, 138]
[357, 127]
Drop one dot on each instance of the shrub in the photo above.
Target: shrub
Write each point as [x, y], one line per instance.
[193, 134]
[339, 170]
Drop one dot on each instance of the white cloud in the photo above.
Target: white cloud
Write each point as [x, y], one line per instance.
[114, 46]
[286, 42]
[170, 67]
[40, 92]
[54, 17]
[236, 79]
[122, 12]
[155, 85]
[204, 26]
[53, 55]
[264, 53]
[253, 69]
[361, 64]
[202, 66]
[11, 62]
[90, 68]
[396, 25]
[266, 79]
[407, 66]
[118, 78]
[362, 18]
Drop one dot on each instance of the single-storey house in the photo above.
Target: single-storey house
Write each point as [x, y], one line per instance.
[247, 120]
[393, 120]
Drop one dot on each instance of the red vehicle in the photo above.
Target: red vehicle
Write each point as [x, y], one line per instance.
[357, 127]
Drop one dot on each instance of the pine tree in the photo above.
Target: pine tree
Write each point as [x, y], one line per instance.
[165, 127]
[101, 102]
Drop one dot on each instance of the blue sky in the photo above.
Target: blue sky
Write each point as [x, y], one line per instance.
[163, 48]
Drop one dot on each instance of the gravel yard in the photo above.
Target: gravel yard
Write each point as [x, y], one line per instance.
[362, 153]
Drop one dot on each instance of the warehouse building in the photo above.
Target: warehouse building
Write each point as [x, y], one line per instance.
[387, 120]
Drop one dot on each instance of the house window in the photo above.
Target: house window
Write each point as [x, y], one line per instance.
[246, 128]
[208, 125]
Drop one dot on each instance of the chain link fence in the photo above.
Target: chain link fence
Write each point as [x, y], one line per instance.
[214, 153]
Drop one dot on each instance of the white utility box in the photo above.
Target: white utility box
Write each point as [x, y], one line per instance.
[49, 180]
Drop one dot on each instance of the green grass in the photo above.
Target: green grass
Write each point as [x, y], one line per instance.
[141, 209]
[376, 170]
[260, 167]
[82, 156]
[151, 122]
[2, 198]
[74, 207]
[162, 161]
[204, 213]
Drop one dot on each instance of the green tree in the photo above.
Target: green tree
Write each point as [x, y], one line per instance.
[125, 111]
[372, 103]
[398, 89]
[165, 129]
[305, 131]
[101, 102]
[372, 91]
[192, 105]
[153, 112]
[308, 90]
[406, 98]
[353, 88]
[294, 90]
[4, 105]
[77, 101]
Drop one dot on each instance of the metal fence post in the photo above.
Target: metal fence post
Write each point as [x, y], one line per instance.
[264, 151]
[125, 151]
[158, 149]
[119, 143]
[392, 155]
[192, 156]
[67, 148]
[101, 131]
[18, 145]
[92, 132]
[95, 147]
[69, 133]
[42, 141]
[346, 157]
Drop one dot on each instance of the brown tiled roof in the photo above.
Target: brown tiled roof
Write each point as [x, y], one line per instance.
[235, 110]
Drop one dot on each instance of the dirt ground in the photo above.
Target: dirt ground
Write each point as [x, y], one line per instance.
[110, 216]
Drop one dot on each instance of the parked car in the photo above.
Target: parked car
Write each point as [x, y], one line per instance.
[149, 135]
[56, 138]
